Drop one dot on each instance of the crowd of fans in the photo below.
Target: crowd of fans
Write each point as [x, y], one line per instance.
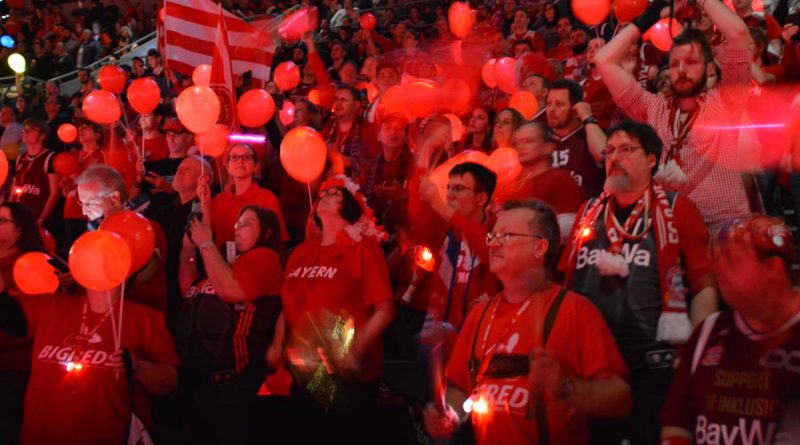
[631, 283]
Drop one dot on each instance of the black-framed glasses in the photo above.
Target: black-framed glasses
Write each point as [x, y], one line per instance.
[234, 158]
[503, 237]
[6, 220]
[621, 152]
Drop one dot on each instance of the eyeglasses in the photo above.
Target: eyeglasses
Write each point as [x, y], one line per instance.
[331, 191]
[458, 188]
[503, 237]
[621, 152]
[6, 220]
[235, 158]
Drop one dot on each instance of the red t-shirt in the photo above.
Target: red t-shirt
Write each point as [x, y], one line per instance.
[92, 405]
[257, 271]
[155, 148]
[555, 187]
[741, 383]
[226, 207]
[348, 275]
[579, 339]
[596, 94]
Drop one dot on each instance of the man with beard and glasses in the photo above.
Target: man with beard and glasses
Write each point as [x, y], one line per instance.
[697, 125]
[639, 253]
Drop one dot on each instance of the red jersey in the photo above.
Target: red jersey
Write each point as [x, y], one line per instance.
[92, 405]
[348, 275]
[572, 154]
[226, 207]
[31, 181]
[155, 148]
[554, 186]
[740, 384]
[579, 339]
[596, 94]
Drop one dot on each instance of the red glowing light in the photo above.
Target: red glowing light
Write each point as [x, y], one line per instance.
[18, 190]
[476, 404]
[425, 258]
[586, 232]
[73, 366]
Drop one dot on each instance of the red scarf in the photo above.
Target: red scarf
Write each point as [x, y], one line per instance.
[674, 322]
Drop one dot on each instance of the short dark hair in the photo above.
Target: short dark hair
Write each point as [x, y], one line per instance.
[545, 224]
[485, 179]
[37, 124]
[574, 89]
[30, 239]
[351, 210]
[269, 234]
[353, 91]
[644, 133]
[517, 118]
[691, 36]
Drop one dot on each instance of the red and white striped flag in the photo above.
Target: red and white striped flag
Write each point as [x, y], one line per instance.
[190, 36]
[222, 77]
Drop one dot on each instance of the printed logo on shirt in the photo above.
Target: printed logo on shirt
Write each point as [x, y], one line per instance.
[511, 397]
[206, 289]
[314, 272]
[712, 356]
[28, 189]
[630, 252]
[746, 432]
[781, 359]
[65, 354]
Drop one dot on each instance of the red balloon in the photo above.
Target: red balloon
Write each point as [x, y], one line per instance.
[65, 164]
[67, 133]
[303, 154]
[34, 275]
[100, 260]
[298, 23]
[487, 73]
[286, 115]
[460, 19]
[313, 96]
[111, 78]
[591, 12]
[255, 108]
[660, 36]
[456, 95]
[198, 108]
[423, 98]
[287, 76]
[3, 167]
[504, 74]
[48, 239]
[394, 100]
[136, 231]
[368, 21]
[524, 102]
[372, 90]
[214, 141]
[201, 75]
[627, 10]
[101, 107]
[144, 95]
[504, 162]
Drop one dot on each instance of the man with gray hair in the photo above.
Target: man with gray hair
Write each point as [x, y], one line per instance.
[639, 253]
[102, 192]
[172, 213]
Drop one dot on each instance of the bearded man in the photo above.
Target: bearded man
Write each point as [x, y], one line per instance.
[639, 253]
[698, 126]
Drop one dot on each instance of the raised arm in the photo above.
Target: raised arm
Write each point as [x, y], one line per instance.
[728, 23]
[608, 60]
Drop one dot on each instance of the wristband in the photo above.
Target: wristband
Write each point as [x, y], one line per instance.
[589, 120]
[205, 245]
[650, 16]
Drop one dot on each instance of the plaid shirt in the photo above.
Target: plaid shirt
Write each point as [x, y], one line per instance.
[710, 156]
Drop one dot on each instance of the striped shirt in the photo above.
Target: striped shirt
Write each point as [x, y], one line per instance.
[709, 153]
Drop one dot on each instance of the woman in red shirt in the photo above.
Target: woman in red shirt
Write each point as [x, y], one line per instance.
[340, 273]
[226, 324]
[91, 136]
